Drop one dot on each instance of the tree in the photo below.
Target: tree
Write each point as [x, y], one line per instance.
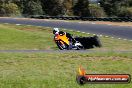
[125, 12]
[32, 8]
[113, 7]
[9, 9]
[109, 6]
[19, 3]
[5, 1]
[130, 3]
[81, 8]
[53, 7]
[68, 5]
[2, 10]
[96, 11]
[126, 3]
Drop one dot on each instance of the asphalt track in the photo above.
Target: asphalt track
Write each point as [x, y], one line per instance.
[100, 29]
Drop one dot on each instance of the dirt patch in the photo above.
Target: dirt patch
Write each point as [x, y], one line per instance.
[28, 29]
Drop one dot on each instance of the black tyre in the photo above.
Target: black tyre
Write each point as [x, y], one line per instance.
[58, 43]
[97, 42]
[85, 41]
[89, 42]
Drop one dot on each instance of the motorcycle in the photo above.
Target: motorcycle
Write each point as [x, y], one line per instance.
[77, 43]
[63, 43]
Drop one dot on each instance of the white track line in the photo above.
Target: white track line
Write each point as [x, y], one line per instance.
[83, 32]
[28, 25]
[100, 35]
[125, 39]
[93, 23]
[109, 24]
[6, 23]
[70, 30]
[78, 31]
[106, 36]
[18, 24]
[80, 22]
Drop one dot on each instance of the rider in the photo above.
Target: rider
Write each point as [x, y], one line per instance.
[57, 31]
[68, 35]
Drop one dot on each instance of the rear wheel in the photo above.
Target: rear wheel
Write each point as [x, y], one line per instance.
[89, 42]
[97, 42]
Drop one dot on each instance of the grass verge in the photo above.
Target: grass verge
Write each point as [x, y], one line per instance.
[57, 70]
[24, 37]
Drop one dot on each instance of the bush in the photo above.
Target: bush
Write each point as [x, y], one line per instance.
[2, 10]
[68, 7]
[10, 9]
[96, 11]
[81, 8]
[125, 12]
[53, 7]
[32, 8]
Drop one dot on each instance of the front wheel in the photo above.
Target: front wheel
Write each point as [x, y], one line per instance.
[61, 46]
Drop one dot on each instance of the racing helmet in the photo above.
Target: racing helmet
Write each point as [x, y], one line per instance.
[55, 30]
[61, 33]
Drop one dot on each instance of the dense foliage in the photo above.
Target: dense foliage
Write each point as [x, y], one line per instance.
[81, 8]
[102, 8]
[117, 7]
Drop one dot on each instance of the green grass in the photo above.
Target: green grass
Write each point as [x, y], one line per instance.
[23, 37]
[57, 70]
